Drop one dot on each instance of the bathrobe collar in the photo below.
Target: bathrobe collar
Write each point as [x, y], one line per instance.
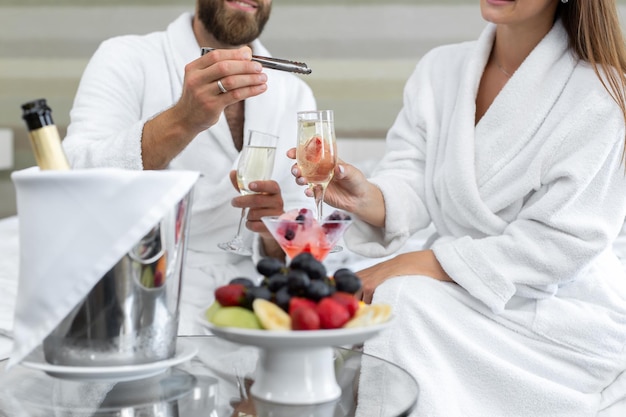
[544, 73]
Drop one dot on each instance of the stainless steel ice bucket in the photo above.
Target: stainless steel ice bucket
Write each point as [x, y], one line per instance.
[131, 315]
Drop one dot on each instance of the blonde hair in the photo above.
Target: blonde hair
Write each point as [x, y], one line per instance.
[596, 36]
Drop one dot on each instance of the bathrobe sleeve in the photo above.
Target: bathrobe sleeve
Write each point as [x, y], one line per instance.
[400, 176]
[107, 121]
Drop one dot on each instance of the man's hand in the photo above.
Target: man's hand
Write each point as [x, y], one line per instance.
[201, 102]
[267, 202]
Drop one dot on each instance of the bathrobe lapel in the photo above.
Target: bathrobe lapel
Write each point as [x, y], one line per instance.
[477, 155]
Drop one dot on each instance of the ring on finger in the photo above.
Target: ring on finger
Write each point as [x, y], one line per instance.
[221, 86]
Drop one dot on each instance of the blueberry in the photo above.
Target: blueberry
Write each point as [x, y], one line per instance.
[290, 233]
[337, 215]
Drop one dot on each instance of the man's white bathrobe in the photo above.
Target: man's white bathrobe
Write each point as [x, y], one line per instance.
[129, 80]
[526, 204]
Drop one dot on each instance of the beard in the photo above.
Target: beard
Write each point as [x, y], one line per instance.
[232, 27]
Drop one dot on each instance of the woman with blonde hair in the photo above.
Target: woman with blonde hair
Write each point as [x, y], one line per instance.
[512, 146]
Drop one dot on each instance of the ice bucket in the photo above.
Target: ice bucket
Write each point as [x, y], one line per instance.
[131, 315]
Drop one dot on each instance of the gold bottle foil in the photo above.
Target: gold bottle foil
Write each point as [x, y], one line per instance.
[47, 148]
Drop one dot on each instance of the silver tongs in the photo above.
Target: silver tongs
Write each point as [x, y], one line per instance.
[275, 63]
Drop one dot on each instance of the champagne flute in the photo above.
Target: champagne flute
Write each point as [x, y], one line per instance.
[316, 153]
[256, 163]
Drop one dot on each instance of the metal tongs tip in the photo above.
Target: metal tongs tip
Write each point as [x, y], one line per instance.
[275, 63]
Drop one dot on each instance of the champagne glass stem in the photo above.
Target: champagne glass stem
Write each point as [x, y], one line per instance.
[318, 193]
[244, 214]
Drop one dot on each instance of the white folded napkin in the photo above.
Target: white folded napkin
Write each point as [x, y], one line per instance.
[74, 226]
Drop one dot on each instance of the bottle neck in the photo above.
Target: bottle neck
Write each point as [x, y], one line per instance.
[37, 114]
[36, 121]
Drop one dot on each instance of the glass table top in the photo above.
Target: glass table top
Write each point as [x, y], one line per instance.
[213, 383]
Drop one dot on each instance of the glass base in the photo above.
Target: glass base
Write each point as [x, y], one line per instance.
[336, 249]
[235, 247]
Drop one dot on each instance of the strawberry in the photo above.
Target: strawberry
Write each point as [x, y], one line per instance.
[313, 149]
[304, 318]
[348, 300]
[297, 302]
[333, 314]
[231, 295]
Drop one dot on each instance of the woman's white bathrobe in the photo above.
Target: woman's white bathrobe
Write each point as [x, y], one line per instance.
[526, 204]
[129, 80]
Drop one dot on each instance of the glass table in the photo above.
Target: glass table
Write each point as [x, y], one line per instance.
[213, 383]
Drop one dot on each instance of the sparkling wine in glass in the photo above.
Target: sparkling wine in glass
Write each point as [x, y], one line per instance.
[316, 153]
[256, 163]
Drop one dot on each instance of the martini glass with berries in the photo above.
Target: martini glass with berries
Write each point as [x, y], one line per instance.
[297, 231]
[316, 152]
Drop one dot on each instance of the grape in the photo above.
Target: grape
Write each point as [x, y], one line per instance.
[317, 290]
[282, 298]
[246, 282]
[306, 262]
[347, 281]
[276, 282]
[256, 292]
[269, 266]
[297, 281]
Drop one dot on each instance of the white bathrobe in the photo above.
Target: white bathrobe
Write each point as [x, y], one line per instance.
[526, 204]
[129, 80]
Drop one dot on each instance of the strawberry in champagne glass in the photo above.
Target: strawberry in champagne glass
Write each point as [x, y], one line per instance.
[316, 152]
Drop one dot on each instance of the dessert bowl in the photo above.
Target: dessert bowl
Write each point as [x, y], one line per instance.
[303, 233]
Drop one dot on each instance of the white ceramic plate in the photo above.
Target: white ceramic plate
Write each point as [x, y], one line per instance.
[184, 352]
[296, 339]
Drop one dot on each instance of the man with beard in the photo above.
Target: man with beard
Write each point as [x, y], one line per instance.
[152, 102]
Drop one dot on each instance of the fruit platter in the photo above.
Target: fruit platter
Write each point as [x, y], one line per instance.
[295, 315]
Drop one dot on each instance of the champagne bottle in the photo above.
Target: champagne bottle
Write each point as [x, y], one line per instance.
[44, 136]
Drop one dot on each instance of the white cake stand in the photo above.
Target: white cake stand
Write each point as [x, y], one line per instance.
[296, 367]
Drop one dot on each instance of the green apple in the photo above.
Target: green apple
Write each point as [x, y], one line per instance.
[235, 317]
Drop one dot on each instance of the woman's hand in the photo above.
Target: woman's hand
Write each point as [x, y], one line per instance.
[411, 263]
[349, 190]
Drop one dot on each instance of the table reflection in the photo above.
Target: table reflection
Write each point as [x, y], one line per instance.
[215, 383]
